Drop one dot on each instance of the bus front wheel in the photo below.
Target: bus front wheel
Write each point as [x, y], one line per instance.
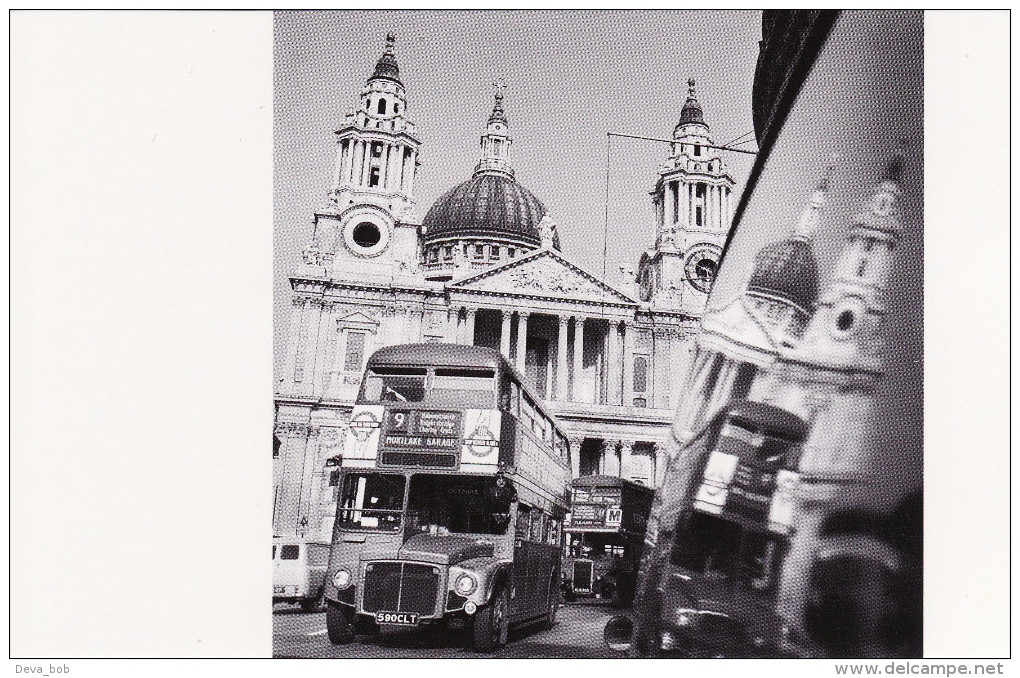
[491, 624]
[339, 625]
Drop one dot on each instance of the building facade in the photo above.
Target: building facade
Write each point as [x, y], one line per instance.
[485, 267]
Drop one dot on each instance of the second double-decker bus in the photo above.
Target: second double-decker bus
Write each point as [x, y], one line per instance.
[454, 485]
[603, 537]
[716, 540]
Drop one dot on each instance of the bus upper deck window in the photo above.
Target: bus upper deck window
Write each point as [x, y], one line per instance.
[403, 385]
[466, 387]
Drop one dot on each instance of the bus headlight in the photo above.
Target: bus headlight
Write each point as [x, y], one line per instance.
[465, 584]
[342, 579]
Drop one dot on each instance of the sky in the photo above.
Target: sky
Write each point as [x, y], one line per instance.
[571, 78]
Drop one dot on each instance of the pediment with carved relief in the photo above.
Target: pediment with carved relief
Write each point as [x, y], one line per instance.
[544, 273]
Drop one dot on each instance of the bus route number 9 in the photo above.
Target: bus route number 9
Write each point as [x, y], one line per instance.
[398, 421]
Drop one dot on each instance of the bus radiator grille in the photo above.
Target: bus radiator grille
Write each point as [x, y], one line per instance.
[401, 587]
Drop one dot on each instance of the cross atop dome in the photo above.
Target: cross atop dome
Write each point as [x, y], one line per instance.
[498, 115]
[690, 88]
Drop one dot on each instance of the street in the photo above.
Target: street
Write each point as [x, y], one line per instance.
[576, 634]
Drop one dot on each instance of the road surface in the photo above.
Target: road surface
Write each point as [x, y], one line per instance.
[576, 634]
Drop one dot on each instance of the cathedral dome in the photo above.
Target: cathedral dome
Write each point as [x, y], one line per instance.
[786, 270]
[489, 205]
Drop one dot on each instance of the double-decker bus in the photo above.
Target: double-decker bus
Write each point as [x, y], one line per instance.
[453, 489]
[603, 536]
[716, 540]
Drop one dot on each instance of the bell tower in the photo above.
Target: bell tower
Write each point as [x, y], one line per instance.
[368, 226]
[844, 329]
[693, 212]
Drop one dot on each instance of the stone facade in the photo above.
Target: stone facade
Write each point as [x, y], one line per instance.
[606, 360]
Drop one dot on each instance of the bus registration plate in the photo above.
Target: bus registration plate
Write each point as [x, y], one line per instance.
[403, 618]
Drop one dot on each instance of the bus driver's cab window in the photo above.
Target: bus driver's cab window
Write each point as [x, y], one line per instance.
[441, 505]
[372, 501]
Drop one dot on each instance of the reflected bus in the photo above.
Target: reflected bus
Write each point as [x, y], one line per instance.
[454, 485]
[603, 537]
[716, 540]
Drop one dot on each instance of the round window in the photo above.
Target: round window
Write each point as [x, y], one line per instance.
[366, 234]
[845, 320]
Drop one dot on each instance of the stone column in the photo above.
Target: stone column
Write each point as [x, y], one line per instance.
[610, 462]
[562, 390]
[387, 163]
[341, 156]
[321, 366]
[706, 213]
[626, 465]
[412, 161]
[575, 456]
[683, 196]
[469, 326]
[668, 203]
[367, 161]
[692, 192]
[522, 340]
[660, 369]
[578, 358]
[628, 365]
[396, 155]
[660, 461]
[352, 153]
[452, 320]
[615, 396]
[719, 206]
[504, 334]
[356, 161]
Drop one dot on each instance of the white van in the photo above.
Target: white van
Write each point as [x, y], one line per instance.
[299, 570]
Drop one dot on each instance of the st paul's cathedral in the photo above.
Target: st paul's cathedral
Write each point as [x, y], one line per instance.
[487, 265]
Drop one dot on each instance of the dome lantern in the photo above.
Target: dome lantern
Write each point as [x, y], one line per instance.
[691, 113]
[386, 68]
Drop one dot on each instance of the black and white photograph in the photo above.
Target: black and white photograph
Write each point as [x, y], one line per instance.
[579, 334]
[638, 373]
